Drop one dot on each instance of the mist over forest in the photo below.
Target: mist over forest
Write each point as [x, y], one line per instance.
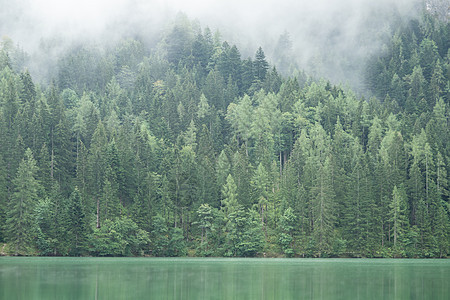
[330, 39]
[281, 129]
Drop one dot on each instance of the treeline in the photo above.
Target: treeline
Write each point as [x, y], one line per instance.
[188, 149]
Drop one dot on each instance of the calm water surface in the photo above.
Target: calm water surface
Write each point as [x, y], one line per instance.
[188, 278]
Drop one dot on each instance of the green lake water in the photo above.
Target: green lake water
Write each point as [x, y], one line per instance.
[195, 278]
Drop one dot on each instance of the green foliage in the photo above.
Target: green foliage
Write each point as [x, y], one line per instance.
[19, 215]
[77, 225]
[121, 237]
[260, 65]
[287, 228]
[398, 215]
[229, 202]
[205, 217]
[193, 150]
[244, 234]
[46, 241]
[177, 245]
[159, 236]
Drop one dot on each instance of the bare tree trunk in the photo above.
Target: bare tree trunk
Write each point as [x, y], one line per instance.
[187, 226]
[175, 219]
[426, 177]
[281, 166]
[389, 233]
[52, 159]
[98, 212]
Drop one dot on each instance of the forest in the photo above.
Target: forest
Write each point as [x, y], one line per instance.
[188, 149]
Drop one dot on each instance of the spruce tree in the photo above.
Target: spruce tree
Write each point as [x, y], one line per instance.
[398, 215]
[323, 208]
[77, 224]
[260, 65]
[229, 196]
[19, 215]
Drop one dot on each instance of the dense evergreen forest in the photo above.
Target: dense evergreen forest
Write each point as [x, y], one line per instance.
[186, 148]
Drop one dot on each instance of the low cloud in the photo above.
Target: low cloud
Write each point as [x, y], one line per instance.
[328, 36]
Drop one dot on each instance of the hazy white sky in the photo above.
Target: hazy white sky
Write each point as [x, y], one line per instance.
[79, 15]
[312, 24]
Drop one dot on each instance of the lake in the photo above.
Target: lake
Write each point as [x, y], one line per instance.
[222, 278]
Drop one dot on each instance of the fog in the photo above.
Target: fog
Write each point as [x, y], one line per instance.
[330, 38]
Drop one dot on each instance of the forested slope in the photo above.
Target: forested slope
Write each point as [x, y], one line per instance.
[188, 148]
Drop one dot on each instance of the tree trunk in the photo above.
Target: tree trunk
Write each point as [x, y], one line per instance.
[52, 159]
[203, 231]
[98, 212]
[281, 166]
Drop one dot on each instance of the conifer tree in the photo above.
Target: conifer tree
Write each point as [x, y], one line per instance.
[193, 135]
[398, 214]
[19, 215]
[323, 208]
[442, 230]
[229, 196]
[77, 224]
[260, 65]
[287, 227]
[223, 168]
[205, 218]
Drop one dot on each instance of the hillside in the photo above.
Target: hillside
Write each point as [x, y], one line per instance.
[187, 148]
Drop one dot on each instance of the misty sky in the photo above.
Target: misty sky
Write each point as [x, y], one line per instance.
[345, 26]
[249, 19]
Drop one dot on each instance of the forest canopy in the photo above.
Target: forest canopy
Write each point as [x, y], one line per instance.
[188, 148]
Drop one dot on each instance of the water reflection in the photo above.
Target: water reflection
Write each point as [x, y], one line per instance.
[145, 278]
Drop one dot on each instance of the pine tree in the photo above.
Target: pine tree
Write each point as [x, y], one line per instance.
[229, 196]
[159, 236]
[59, 226]
[441, 176]
[398, 215]
[248, 75]
[97, 167]
[242, 171]
[9, 110]
[28, 91]
[323, 208]
[284, 52]
[213, 90]
[260, 65]
[178, 44]
[203, 110]
[260, 184]
[287, 227]
[206, 168]
[436, 86]
[77, 224]
[51, 223]
[223, 64]
[442, 230]
[19, 216]
[234, 58]
[223, 168]
[428, 56]
[43, 227]
[201, 50]
[416, 91]
[205, 217]
[110, 205]
[436, 128]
